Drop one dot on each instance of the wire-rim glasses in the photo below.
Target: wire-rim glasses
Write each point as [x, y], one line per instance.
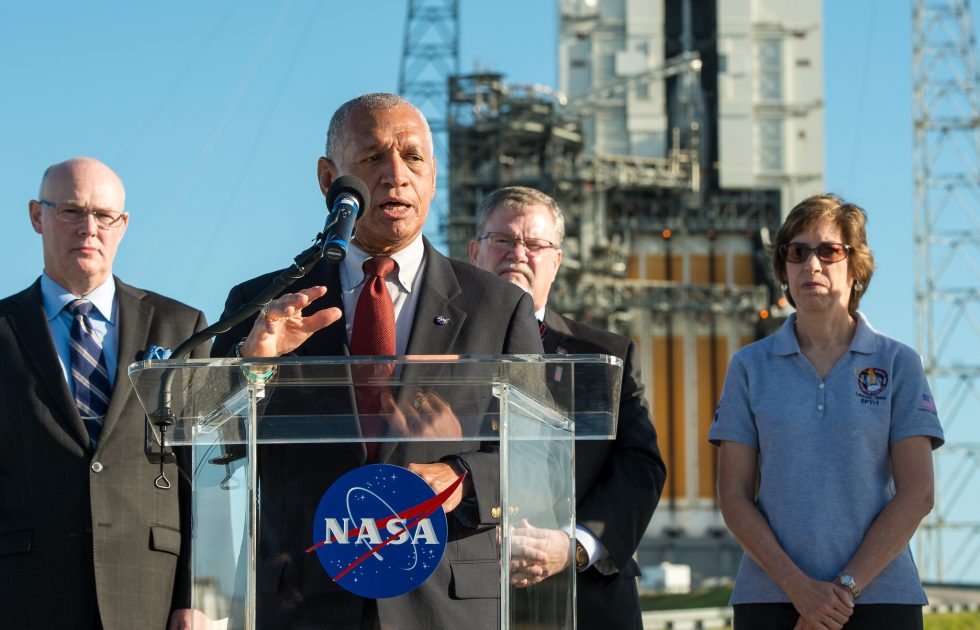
[105, 219]
[507, 242]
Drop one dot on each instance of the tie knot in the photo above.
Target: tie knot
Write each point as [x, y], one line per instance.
[379, 266]
[80, 307]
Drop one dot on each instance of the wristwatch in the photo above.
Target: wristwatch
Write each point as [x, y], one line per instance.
[847, 581]
[581, 556]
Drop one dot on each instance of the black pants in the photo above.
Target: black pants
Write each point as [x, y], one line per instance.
[865, 617]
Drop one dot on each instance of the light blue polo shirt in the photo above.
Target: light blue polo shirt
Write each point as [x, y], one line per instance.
[824, 451]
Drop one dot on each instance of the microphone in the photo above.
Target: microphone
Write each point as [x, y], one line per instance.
[346, 200]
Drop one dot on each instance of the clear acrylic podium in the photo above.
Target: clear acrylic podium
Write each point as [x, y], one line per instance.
[264, 451]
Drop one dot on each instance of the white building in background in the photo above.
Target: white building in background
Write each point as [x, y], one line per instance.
[756, 116]
[770, 96]
[768, 80]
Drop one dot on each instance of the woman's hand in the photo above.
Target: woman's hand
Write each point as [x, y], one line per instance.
[821, 604]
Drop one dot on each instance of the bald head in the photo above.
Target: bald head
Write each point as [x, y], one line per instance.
[63, 176]
[78, 250]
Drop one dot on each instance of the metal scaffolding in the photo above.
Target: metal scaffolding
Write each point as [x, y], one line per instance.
[430, 55]
[946, 114]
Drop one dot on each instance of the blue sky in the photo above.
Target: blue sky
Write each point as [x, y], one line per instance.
[214, 113]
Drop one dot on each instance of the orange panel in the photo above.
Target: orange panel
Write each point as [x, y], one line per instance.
[679, 435]
[699, 268]
[706, 407]
[671, 442]
[743, 269]
[633, 267]
[677, 267]
[656, 267]
[721, 272]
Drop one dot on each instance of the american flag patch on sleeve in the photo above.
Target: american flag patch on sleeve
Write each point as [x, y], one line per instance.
[928, 403]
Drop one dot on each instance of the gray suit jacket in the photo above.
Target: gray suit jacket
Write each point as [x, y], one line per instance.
[82, 532]
[486, 316]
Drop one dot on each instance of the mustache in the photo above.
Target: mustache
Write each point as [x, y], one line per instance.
[518, 267]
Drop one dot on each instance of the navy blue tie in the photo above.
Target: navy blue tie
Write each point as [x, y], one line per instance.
[88, 370]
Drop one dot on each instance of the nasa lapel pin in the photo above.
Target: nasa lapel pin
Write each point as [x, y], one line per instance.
[440, 320]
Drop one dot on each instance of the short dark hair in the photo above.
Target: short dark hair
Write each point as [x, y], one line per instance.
[849, 218]
[518, 200]
[370, 102]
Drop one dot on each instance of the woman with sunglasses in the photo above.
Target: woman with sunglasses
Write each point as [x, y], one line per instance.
[837, 424]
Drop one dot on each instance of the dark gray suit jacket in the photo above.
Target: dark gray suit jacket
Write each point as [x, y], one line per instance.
[617, 483]
[486, 316]
[77, 527]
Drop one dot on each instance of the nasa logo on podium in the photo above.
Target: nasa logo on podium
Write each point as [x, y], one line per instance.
[380, 530]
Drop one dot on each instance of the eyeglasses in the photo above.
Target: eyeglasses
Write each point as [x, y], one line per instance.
[826, 252]
[506, 242]
[105, 219]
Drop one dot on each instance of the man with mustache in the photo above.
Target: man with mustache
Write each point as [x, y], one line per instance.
[617, 483]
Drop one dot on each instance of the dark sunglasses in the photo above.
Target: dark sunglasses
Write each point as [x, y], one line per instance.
[826, 252]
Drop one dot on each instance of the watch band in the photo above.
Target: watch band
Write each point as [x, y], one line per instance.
[847, 581]
[581, 556]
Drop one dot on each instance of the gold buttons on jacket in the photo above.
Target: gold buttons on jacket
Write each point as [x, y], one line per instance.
[495, 511]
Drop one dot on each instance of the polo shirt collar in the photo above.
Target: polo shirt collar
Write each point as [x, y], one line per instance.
[864, 336]
[785, 342]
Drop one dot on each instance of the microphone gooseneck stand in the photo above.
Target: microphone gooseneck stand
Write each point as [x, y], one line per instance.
[163, 417]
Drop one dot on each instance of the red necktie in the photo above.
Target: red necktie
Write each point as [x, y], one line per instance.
[373, 334]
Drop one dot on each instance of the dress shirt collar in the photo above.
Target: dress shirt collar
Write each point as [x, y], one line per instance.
[409, 262]
[55, 297]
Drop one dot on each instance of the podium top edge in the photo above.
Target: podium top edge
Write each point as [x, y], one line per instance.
[502, 359]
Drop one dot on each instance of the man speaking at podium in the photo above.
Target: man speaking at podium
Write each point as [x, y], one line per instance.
[87, 540]
[415, 301]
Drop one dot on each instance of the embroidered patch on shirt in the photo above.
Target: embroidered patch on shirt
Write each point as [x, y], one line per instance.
[872, 383]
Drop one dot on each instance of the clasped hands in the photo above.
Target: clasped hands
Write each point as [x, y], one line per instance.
[822, 605]
[537, 553]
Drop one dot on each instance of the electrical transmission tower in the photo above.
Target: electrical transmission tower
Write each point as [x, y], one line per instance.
[430, 55]
[946, 158]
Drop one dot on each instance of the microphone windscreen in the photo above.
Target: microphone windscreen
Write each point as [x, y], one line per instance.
[349, 184]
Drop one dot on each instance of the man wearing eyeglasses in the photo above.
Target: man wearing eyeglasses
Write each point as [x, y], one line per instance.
[86, 538]
[617, 483]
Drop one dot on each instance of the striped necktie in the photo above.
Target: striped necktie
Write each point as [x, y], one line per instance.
[88, 370]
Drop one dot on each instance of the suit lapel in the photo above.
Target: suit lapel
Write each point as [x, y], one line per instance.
[435, 326]
[556, 337]
[135, 317]
[30, 326]
[437, 321]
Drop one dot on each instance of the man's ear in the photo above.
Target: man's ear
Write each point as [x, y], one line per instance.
[34, 210]
[474, 250]
[326, 172]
